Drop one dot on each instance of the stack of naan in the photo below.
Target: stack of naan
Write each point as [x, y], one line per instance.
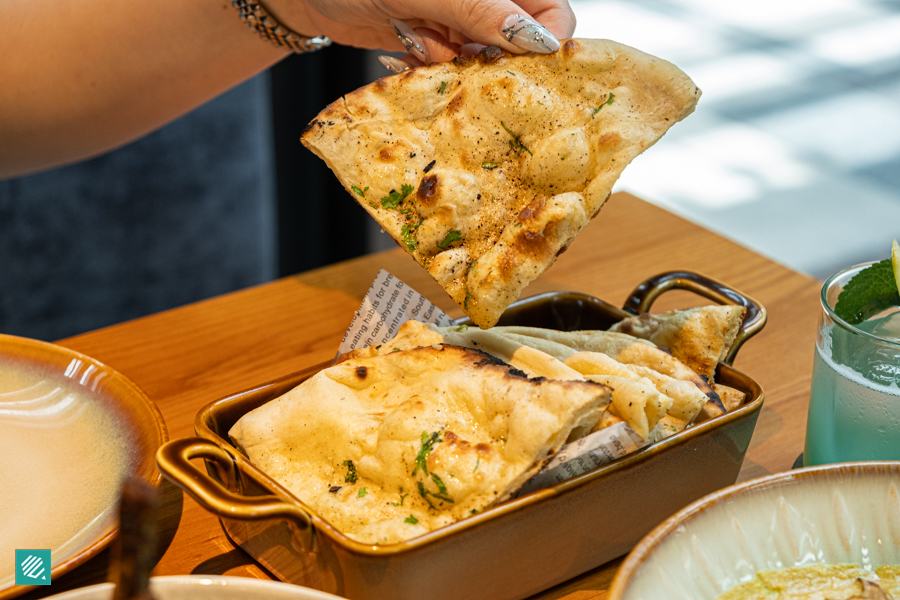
[439, 423]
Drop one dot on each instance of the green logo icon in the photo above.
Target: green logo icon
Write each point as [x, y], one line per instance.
[32, 567]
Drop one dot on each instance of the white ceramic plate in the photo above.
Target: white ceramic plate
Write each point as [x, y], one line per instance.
[206, 587]
[847, 513]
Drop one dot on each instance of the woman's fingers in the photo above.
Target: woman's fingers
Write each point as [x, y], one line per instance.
[434, 30]
[502, 23]
[440, 49]
[558, 17]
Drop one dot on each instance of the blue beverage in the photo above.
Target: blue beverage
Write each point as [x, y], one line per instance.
[854, 405]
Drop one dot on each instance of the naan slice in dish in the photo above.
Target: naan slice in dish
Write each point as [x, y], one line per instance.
[628, 350]
[486, 168]
[699, 337]
[387, 448]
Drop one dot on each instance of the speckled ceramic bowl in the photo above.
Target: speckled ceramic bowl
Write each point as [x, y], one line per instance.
[844, 513]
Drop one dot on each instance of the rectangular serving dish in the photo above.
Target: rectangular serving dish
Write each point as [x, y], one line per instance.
[510, 551]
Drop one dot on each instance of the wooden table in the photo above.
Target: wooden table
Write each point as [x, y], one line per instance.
[189, 356]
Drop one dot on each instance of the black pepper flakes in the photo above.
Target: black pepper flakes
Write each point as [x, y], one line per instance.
[428, 166]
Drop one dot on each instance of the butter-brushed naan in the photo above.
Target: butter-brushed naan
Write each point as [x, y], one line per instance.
[486, 168]
[387, 448]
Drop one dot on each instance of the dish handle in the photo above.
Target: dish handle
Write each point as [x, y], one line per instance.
[643, 296]
[173, 460]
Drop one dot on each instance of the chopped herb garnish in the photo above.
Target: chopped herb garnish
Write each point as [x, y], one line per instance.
[394, 197]
[517, 225]
[408, 235]
[454, 235]
[564, 156]
[462, 327]
[466, 301]
[541, 103]
[428, 442]
[489, 165]
[477, 462]
[358, 191]
[474, 511]
[402, 497]
[440, 484]
[443, 87]
[608, 101]
[362, 492]
[396, 350]
[411, 520]
[351, 476]
[510, 72]
[440, 495]
[516, 143]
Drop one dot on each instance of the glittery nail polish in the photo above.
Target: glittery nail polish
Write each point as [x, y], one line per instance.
[394, 64]
[527, 34]
[411, 40]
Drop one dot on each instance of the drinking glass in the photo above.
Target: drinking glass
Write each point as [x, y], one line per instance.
[854, 404]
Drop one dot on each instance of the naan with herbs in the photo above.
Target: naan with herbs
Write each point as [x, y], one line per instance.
[485, 168]
[387, 448]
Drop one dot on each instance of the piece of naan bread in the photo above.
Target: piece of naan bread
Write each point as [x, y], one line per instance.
[699, 337]
[628, 350]
[486, 168]
[636, 399]
[390, 447]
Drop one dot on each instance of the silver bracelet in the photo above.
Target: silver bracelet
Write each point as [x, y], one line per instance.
[255, 15]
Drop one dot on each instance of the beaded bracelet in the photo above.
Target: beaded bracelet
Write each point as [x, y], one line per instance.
[255, 15]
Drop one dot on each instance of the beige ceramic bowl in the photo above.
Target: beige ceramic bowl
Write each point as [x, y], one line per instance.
[206, 587]
[116, 399]
[846, 513]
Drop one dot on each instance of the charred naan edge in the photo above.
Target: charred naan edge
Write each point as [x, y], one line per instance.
[486, 168]
[731, 398]
[434, 435]
[699, 337]
[630, 350]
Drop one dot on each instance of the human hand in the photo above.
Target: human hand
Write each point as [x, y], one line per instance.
[433, 30]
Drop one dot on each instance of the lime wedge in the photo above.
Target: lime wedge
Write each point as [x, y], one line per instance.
[895, 262]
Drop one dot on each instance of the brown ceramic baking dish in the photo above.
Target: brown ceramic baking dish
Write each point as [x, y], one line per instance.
[513, 550]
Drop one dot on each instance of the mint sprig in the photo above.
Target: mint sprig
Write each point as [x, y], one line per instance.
[869, 292]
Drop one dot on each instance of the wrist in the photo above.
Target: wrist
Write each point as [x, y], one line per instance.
[277, 25]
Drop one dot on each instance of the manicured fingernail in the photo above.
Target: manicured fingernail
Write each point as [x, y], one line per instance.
[528, 34]
[411, 40]
[394, 65]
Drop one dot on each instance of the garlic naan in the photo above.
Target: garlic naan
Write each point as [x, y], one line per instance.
[486, 168]
[699, 337]
[387, 448]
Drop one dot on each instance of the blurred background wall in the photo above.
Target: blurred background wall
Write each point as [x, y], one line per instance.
[794, 151]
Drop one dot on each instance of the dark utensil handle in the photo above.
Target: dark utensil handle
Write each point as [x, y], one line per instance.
[173, 460]
[643, 296]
